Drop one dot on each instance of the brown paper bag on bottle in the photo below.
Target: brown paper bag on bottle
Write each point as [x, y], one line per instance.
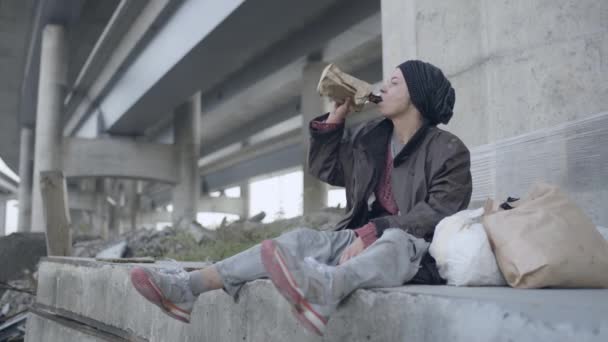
[339, 86]
[546, 240]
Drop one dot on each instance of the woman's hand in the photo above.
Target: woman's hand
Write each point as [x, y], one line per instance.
[340, 112]
[352, 250]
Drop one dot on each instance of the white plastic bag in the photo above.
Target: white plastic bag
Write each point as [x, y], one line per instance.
[463, 253]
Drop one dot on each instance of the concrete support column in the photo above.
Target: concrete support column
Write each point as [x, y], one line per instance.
[315, 191]
[26, 165]
[122, 208]
[51, 93]
[398, 33]
[113, 208]
[2, 216]
[100, 215]
[133, 200]
[245, 198]
[187, 144]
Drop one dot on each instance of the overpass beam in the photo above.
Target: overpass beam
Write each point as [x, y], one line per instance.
[187, 146]
[118, 158]
[26, 164]
[315, 191]
[51, 93]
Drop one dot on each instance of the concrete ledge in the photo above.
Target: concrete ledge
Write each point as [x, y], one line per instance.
[100, 295]
[48, 327]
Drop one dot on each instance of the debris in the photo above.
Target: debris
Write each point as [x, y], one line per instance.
[90, 247]
[13, 328]
[85, 237]
[198, 232]
[16, 289]
[258, 217]
[116, 251]
[143, 260]
[213, 244]
[139, 243]
[19, 295]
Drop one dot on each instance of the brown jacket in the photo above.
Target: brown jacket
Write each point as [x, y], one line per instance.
[431, 178]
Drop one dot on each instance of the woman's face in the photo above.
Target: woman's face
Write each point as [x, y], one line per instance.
[395, 95]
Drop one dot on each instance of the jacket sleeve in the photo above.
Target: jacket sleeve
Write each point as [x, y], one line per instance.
[450, 191]
[329, 151]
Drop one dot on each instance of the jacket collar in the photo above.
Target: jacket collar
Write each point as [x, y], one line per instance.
[413, 144]
[378, 135]
[377, 138]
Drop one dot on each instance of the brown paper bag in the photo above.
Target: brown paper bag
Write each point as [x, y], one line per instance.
[547, 241]
[339, 86]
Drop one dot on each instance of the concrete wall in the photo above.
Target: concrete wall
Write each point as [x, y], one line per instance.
[101, 296]
[42, 328]
[517, 66]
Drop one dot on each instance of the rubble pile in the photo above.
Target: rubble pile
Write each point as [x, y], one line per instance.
[142, 242]
[238, 236]
[17, 296]
[323, 220]
[200, 244]
[157, 244]
[21, 253]
[326, 219]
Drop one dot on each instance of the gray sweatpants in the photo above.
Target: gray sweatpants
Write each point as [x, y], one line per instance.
[390, 261]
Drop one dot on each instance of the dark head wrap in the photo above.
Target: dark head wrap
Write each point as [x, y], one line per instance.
[430, 91]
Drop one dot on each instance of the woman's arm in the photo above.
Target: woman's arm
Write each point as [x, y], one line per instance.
[329, 146]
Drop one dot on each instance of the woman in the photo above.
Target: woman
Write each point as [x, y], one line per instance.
[412, 172]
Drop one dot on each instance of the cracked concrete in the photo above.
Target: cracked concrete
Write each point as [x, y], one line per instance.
[100, 293]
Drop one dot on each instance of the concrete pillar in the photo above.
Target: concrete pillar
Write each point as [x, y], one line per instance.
[51, 93]
[315, 191]
[122, 217]
[113, 221]
[100, 215]
[186, 122]
[245, 198]
[26, 164]
[53, 189]
[133, 199]
[2, 216]
[398, 33]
